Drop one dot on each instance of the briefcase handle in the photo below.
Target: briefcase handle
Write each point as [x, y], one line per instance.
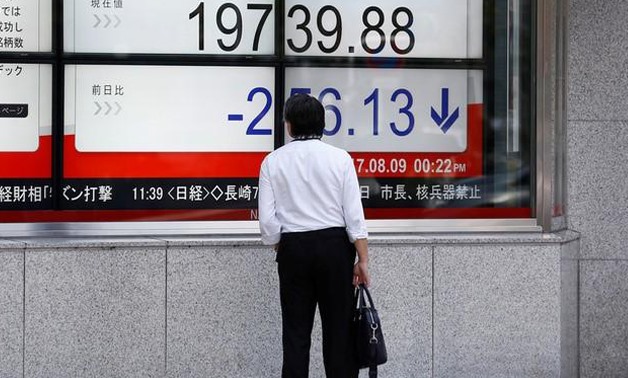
[360, 301]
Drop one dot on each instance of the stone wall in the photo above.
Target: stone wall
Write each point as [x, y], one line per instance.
[597, 179]
[473, 306]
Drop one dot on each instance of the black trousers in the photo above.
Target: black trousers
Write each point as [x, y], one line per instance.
[316, 267]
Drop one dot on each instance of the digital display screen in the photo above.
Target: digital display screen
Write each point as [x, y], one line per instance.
[25, 146]
[170, 27]
[169, 107]
[25, 25]
[392, 110]
[393, 28]
[164, 137]
[415, 134]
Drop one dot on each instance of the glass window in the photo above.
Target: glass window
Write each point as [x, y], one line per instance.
[166, 109]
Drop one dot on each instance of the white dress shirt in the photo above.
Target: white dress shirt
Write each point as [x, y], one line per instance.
[309, 185]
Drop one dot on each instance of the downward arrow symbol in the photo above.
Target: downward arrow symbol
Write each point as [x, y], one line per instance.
[444, 120]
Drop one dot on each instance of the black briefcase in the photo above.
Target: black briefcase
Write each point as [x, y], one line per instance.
[370, 346]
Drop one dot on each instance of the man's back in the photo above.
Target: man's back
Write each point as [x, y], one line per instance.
[308, 178]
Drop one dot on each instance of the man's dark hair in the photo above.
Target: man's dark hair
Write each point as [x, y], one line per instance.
[306, 115]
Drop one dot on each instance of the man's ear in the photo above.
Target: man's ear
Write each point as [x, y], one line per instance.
[289, 129]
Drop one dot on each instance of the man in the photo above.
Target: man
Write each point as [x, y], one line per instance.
[310, 210]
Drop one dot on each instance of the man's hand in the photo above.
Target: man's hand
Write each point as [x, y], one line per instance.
[361, 274]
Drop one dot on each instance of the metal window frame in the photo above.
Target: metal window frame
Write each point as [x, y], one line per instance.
[550, 76]
[251, 228]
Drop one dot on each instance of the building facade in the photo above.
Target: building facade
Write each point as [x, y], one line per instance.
[454, 303]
